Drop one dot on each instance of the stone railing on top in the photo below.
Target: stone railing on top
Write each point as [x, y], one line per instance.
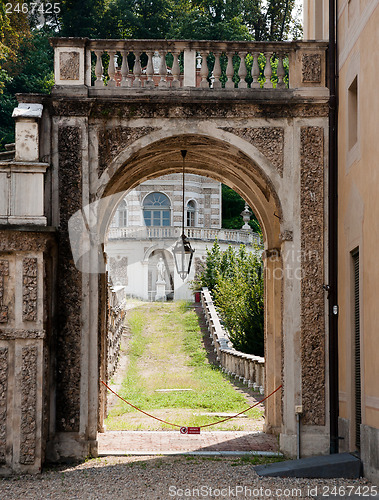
[248, 368]
[194, 233]
[115, 326]
[162, 64]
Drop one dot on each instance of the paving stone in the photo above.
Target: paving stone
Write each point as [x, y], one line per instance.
[173, 441]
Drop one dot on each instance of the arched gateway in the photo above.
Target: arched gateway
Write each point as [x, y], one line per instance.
[84, 143]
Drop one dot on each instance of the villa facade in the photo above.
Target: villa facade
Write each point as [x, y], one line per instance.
[148, 222]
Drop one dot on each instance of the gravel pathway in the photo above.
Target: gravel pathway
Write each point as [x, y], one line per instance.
[162, 478]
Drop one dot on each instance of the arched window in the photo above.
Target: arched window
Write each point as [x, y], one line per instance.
[156, 210]
[122, 214]
[191, 212]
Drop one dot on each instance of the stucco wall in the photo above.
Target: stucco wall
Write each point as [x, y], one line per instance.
[359, 209]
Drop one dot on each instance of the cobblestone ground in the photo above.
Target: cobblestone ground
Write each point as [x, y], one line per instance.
[162, 478]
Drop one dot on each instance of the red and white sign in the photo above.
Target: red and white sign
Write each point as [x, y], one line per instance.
[190, 430]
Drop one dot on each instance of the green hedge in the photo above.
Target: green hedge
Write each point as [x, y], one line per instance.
[234, 277]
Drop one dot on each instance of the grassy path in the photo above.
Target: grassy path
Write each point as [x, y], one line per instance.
[165, 351]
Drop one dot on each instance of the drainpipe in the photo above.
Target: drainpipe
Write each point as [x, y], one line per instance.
[333, 232]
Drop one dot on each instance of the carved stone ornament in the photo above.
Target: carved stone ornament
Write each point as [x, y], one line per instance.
[311, 68]
[268, 140]
[29, 289]
[69, 65]
[28, 405]
[113, 141]
[312, 294]
[3, 401]
[4, 271]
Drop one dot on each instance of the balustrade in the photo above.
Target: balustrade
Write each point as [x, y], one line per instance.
[196, 233]
[163, 64]
[247, 368]
[115, 328]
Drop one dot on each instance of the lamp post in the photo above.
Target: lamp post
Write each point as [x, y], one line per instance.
[183, 252]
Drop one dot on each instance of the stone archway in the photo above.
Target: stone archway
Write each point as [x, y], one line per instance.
[225, 162]
[272, 152]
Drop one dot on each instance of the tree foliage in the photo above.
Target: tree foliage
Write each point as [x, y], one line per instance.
[235, 279]
[232, 206]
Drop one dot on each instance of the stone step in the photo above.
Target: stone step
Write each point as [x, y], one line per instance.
[343, 465]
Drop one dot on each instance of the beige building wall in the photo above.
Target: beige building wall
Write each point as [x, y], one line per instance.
[315, 19]
[358, 172]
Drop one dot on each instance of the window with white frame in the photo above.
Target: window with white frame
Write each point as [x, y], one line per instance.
[191, 213]
[156, 210]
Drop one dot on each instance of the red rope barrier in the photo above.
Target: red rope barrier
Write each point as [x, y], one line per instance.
[201, 426]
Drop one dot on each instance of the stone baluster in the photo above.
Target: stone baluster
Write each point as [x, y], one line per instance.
[280, 72]
[175, 70]
[163, 70]
[125, 82]
[242, 72]
[255, 72]
[149, 70]
[99, 69]
[111, 69]
[217, 70]
[204, 71]
[230, 72]
[268, 71]
[137, 69]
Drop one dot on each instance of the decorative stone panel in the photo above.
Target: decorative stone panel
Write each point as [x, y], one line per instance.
[118, 270]
[268, 140]
[25, 241]
[113, 141]
[28, 405]
[22, 334]
[312, 294]
[4, 271]
[3, 401]
[69, 284]
[69, 65]
[29, 289]
[311, 68]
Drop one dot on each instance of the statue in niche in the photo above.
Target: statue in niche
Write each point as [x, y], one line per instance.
[161, 268]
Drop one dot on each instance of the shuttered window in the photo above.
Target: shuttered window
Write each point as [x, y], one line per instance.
[357, 351]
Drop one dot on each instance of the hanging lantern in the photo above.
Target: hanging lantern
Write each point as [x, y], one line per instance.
[183, 252]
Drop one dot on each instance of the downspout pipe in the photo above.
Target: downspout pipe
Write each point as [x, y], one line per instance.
[333, 230]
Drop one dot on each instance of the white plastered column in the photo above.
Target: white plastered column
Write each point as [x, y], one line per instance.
[22, 179]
